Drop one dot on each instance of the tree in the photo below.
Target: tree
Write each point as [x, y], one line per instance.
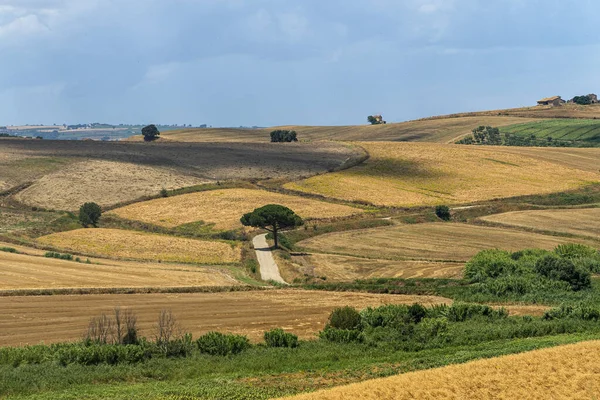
[89, 214]
[150, 133]
[443, 212]
[582, 100]
[375, 119]
[282, 135]
[273, 218]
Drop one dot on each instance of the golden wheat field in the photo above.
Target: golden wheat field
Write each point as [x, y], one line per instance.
[340, 268]
[583, 222]
[565, 372]
[578, 158]
[411, 174]
[142, 246]
[429, 241]
[439, 130]
[224, 208]
[249, 313]
[22, 271]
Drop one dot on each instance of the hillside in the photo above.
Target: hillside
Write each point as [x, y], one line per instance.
[440, 130]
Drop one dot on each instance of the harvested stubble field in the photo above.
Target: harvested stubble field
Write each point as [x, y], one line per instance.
[59, 318]
[429, 241]
[581, 222]
[565, 372]
[105, 170]
[431, 130]
[338, 268]
[115, 243]
[417, 174]
[223, 208]
[72, 186]
[571, 110]
[21, 271]
[582, 159]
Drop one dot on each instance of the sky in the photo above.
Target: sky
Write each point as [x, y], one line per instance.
[283, 62]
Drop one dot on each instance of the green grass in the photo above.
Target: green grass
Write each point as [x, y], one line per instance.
[259, 373]
[585, 132]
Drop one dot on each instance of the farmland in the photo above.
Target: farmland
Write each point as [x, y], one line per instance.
[427, 242]
[567, 372]
[223, 208]
[142, 246]
[440, 130]
[580, 222]
[583, 131]
[64, 174]
[416, 174]
[23, 272]
[251, 313]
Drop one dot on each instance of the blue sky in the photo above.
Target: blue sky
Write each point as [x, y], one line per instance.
[274, 62]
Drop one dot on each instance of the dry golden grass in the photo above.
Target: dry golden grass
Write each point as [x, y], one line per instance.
[565, 372]
[104, 182]
[31, 319]
[583, 159]
[142, 246]
[339, 268]
[430, 241]
[440, 130]
[223, 208]
[583, 222]
[410, 174]
[20, 271]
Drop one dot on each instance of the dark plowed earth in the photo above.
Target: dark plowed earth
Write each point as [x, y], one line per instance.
[209, 160]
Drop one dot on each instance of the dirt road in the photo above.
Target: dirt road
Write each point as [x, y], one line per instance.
[269, 271]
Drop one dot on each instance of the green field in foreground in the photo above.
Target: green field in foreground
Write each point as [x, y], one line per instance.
[257, 374]
[586, 131]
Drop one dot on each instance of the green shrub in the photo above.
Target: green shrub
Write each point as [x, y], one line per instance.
[8, 250]
[430, 328]
[345, 318]
[460, 312]
[341, 335]
[563, 269]
[575, 250]
[581, 311]
[164, 192]
[443, 213]
[283, 135]
[52, 254]
[89, 214]
[279, 338]
[490, 264]
[219, 344]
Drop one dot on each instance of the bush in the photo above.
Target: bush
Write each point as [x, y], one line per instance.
[89, 214]
[281, 135]
[52, 254]
[443, 213]
[8, 249]
[341, 335]
[583, 312]
[345, 318]
[460, 312]
[164, 192]
[490, 264]
[430, 328]
[279, 338]
[575, 250]
[563, 269]
[219, 344]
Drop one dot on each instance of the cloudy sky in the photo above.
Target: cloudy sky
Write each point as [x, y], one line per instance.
[274, 62]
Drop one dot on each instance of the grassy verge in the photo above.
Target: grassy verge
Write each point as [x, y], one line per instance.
[259, 373]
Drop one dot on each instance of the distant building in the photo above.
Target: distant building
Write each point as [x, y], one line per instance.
[551, 101]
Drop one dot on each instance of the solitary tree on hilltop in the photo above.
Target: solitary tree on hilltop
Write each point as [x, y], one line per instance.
[150, 133]
[273, 218]
[89, 214]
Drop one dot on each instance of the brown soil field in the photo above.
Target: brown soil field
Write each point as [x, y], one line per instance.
[142, 246]
[21, 271]
[429, 241]
[566, 111]
[440, 130]
[564, 372]
[223, 208]
[581, 221]
[416, 174]
[27, 161]
[59, 318]
[339, 268]
[104, 182]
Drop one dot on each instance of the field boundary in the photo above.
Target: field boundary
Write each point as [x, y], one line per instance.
[131, 290]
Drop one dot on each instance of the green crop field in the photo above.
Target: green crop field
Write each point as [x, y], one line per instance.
[579, 130]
